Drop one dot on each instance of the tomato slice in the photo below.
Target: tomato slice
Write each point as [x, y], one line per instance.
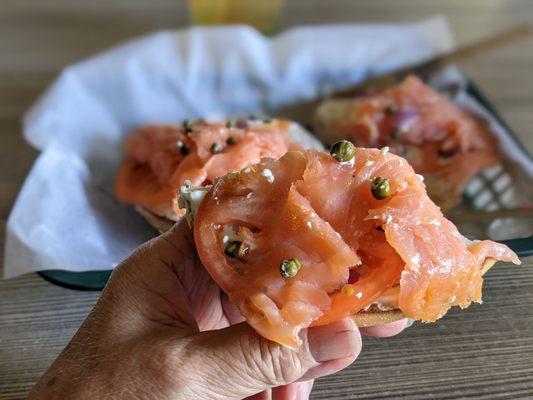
[380, 269]
[266, 207]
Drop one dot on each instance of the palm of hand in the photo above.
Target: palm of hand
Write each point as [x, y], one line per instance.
[146, 338]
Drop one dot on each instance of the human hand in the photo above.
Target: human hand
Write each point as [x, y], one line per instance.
[162, 329]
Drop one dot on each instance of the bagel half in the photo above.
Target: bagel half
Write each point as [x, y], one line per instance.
[294, 133]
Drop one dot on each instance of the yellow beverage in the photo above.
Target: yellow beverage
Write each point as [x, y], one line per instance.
[261, 14]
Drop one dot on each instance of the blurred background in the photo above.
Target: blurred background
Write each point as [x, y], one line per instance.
[39, 37]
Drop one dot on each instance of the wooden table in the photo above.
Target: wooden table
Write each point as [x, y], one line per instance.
[485, 352]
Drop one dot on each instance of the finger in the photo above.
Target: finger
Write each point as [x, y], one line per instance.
[386, 330]
[180, 234]
[293, 391]
[175, 248]
[231, 311]
[242, 363]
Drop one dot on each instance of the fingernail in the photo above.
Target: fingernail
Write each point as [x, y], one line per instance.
[331, 342]
[410, 322]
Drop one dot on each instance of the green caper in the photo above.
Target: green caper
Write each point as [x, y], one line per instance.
[187, 125]
[289, 267]
[391, 109]
[216, 148]
[267, 120]
[231, 140]
[342, 151]
[236, 249]
[380, 188]
[230, 124]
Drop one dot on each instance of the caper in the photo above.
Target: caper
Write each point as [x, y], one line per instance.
[216, 148]
[230, 124]
[342, 151]
[231, 140]
[267, 120]
[380, 188]
[391, 109]
[187, 125]
[236, 249]
[289, 267]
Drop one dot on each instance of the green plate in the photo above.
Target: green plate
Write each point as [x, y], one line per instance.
[87, 280]
[96, 280]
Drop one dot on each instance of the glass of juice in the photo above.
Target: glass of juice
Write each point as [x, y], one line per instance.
[264, 15]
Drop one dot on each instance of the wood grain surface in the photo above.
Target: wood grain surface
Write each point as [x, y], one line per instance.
[485, 352]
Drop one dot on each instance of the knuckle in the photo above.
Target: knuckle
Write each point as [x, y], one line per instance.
[275, 364]
[168, 364]
[289, 366]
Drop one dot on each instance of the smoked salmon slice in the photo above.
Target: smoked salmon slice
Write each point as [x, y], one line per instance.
[440, 141]
[160, 158]
[306, 240]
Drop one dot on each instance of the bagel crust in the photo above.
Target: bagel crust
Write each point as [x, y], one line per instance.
[375, 316]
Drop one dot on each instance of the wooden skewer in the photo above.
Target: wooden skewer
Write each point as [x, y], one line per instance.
[425, 68]
[475, 216]
[303, 111]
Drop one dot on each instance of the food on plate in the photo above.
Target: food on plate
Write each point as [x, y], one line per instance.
[313, 237]
[443, 143]
[160, 158]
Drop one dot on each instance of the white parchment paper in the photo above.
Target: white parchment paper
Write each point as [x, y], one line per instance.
[65, 216]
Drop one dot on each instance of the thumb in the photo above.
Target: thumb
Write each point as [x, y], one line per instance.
[236, 362]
